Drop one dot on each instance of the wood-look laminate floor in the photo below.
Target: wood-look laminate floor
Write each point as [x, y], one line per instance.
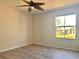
[39, 52]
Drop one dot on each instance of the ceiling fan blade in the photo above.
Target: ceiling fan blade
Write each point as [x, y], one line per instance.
[39, 8]
[26, 1]
[40, 3]
[29, 9]
[22, 5]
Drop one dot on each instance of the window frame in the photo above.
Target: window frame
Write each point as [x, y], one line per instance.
[65, 26]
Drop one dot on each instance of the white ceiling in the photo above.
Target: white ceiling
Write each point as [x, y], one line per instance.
[49, 4]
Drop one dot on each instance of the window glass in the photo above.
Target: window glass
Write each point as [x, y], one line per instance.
[60, 21]
[70, 20]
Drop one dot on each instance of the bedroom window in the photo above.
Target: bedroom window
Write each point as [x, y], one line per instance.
[66, 26]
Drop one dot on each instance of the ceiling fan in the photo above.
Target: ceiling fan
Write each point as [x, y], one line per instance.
[31, 4]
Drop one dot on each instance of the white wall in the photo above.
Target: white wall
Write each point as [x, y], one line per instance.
[15, 28]
[44, 28]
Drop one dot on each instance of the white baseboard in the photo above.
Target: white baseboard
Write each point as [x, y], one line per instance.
[46, 44]
[16, 47]
[38, 43]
